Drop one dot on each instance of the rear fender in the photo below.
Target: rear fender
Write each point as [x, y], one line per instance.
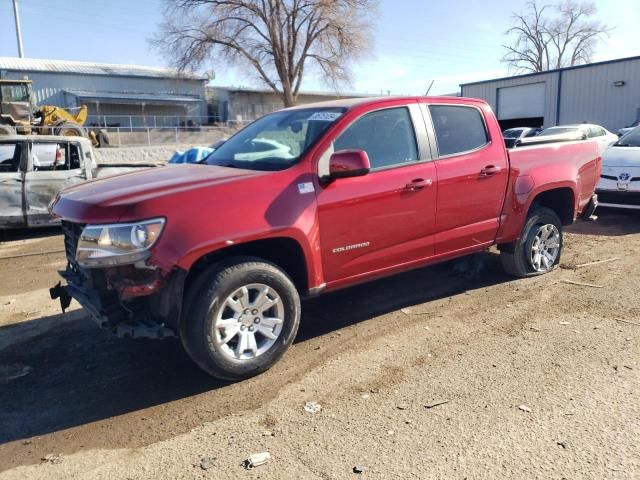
[519, 202]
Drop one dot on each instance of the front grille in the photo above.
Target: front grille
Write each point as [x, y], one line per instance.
[613, 177]
[619, 198]
[72, 232]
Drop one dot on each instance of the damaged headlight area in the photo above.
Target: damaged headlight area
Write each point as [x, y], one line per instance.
[118, 243]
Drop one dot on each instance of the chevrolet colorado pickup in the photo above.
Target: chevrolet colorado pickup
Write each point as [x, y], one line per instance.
[308, 200]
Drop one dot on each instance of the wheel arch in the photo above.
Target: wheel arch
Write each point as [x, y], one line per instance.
[284, 252]
[562, 200]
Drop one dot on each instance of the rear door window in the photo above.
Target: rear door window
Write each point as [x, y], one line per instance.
[9, 157]
[458, 129]
[48, 157]
[386, 135]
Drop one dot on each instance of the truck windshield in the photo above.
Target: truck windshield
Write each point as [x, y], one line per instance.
[631, 139]
[558, 131]
[512, 133]
[275, 141]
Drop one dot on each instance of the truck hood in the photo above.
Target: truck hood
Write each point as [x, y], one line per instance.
[108, 199]
[621, 157]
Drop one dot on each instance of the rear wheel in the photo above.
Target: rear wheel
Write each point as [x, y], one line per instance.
[539, 247]
[103, 138]
[240, 318]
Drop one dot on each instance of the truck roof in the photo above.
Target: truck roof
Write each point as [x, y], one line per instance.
[11, 80]
[353, 102]
[45, 138]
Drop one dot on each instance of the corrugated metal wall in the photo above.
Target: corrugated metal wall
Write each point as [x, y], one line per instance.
[587, 94]
[49, 87]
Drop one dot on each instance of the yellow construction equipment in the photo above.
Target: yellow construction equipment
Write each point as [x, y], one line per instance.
[20, 115]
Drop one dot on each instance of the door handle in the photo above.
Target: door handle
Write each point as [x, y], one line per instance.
[418, 184]
[490, 170]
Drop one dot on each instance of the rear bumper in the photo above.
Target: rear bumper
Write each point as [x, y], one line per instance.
[591, 207]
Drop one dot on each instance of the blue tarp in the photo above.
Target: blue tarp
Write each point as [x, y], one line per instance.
[193, 155]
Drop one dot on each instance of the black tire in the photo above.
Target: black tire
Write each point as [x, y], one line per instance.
[7, 130]
[205, 298]
[516, 258]
[69, 129]
[103, 138]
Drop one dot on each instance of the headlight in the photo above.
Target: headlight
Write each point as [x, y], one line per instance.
[118, 243]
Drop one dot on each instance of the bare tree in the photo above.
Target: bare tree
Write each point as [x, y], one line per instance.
[277, 39]
[553, 36]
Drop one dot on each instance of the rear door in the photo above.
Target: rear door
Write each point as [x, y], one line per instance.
[12, 167]
[385, 218]
[53, 166]
[472, 171]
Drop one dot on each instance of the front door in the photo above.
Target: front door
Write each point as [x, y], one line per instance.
[385, 218]
[53, 166]
[472, 179]
[12, 166]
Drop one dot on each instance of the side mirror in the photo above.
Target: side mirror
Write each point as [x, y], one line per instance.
[583, 136]
[348, 163]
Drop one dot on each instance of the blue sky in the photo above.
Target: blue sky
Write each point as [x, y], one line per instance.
[416, 41]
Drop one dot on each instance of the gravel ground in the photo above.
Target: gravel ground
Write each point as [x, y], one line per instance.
[453, 371]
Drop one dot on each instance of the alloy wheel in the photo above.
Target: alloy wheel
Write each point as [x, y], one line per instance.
[545, 248]
[249, 321]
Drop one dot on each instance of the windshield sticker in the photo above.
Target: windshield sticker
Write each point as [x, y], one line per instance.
[325, 116]
[305, 188]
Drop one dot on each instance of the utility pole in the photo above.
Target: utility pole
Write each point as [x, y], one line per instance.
[16, 15]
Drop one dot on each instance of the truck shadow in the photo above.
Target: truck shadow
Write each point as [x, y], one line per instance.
[610, 223]
[74, 374]
[26, 233]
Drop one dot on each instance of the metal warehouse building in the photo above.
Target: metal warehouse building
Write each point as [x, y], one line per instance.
[240, 104]
[604, 93]
[117, 95]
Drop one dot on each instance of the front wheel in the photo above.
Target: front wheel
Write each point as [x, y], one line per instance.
[69, 129]
[539, 247]
[240, 318]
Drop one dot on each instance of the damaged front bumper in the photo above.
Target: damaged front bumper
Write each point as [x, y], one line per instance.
[131, 301]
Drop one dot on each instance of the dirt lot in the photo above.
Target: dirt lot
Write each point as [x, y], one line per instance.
[454, 371]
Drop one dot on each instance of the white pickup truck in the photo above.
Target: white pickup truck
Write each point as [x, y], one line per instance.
[33, 169]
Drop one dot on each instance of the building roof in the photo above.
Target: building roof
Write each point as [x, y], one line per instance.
[91, 68]
[575, 67]
[304, 92]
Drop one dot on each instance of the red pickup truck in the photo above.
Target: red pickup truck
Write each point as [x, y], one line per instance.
[308, 200]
